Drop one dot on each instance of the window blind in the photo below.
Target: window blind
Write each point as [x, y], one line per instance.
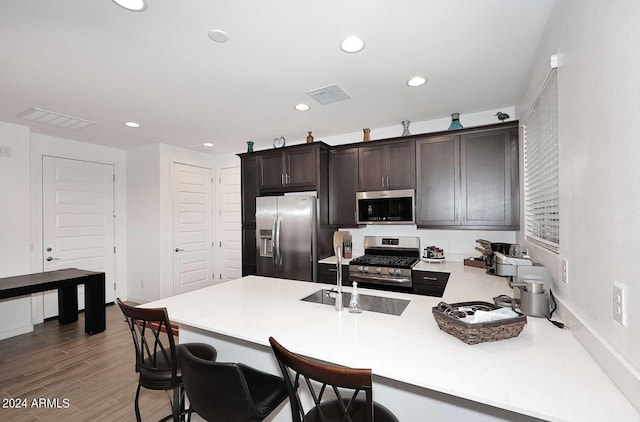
[541, 192]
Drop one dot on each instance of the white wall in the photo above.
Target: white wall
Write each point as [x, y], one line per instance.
[599, 159]
[15, 314]
[143, 223]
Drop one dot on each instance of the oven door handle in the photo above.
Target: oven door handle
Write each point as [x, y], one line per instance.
[381, 279]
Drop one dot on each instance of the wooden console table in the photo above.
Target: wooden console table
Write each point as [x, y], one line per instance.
[66, 281]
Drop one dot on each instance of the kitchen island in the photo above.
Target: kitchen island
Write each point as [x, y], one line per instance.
[420, 372]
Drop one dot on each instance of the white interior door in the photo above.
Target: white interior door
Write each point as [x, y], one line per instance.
[229, 224]
[192, 227]
[77, 222]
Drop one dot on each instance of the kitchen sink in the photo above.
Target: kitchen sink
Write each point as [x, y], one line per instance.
[383, 305]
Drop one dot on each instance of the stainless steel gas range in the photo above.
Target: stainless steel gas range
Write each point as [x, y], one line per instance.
[387, 261]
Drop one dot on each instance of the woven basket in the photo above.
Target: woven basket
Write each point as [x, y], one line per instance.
[480, 332]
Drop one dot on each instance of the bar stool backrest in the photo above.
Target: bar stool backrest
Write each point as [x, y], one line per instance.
[295, 367]
[153, 340]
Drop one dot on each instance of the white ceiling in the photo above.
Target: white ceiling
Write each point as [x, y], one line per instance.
[97, 61]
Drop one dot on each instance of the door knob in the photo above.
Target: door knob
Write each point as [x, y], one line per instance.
[179, 250]
[49, 249]
[50, 258]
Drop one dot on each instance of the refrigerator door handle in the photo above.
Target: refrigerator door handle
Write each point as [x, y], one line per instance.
[274, 242]
[278, 223]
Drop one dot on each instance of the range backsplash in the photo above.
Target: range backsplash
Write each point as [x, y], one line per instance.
[457, 244]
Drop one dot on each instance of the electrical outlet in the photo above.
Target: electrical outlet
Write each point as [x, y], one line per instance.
[565, 271]
[5, 151]
[142, 283]
[620, 303]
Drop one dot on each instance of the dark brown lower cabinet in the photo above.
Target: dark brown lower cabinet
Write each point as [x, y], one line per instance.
[249, 266]
[328, 273]
[429, 283]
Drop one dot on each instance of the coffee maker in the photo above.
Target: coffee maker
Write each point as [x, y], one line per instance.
[531, 283]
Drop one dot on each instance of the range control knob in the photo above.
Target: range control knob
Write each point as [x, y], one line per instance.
[365, 269]
[390, 271]
[379, 270]
[398, 271]
[360, 269]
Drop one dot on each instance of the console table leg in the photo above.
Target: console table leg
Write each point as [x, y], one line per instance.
[94, 307]
[67, 304]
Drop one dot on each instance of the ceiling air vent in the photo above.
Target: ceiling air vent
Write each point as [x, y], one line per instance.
[328, 94]
[46, 117]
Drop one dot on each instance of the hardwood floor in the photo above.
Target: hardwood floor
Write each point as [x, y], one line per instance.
[85, 378]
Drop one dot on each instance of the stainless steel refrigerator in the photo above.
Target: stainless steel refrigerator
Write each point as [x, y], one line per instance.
[286, 237]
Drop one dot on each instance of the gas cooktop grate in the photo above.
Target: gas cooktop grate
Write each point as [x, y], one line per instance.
[386, 261]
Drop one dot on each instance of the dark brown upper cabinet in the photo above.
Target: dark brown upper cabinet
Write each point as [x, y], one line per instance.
[343, 185]
[387, 166]
[469, 180]
[438, 181]
[290, 169]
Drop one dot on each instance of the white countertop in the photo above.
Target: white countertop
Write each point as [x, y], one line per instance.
[544, 372]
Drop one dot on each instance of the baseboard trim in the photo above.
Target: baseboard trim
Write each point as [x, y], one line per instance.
[16, 332]
[623, 374]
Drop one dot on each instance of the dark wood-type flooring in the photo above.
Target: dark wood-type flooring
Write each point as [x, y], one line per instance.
[94, 373]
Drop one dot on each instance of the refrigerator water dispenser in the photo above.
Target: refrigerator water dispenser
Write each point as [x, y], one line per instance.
[266, 244]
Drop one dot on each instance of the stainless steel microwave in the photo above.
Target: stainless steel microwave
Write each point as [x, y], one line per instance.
[386, 207]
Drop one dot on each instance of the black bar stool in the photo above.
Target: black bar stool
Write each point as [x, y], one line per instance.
[224, 391]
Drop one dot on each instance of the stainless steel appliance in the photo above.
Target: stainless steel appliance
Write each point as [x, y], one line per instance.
[386, 207]
[531, 284]
[289, 239]
[489, 248]
[386, 261]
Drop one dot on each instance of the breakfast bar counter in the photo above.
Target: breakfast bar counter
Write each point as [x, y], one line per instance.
[420, 372]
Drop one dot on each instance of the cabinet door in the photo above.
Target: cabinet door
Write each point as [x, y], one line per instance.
[250, 187]
[249, 250]
[486, 178]
[438, 181]
[343, 185]
[401, 159]
[271, 171]
[429, 283]
[328, 273]
[372, 168]
[300, 166]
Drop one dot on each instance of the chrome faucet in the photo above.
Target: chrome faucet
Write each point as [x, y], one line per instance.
[339, 306]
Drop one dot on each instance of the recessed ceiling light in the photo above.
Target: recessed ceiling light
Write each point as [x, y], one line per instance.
[132, 124]
[208, 144]
[302, 107]
[133, 5]
[352, 44]
[218, 35]
[416, 81]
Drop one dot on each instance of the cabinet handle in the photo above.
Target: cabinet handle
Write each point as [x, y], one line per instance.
[430, 278]
[282, 179]
[387, 180]
[382, 181]
[287, 178]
